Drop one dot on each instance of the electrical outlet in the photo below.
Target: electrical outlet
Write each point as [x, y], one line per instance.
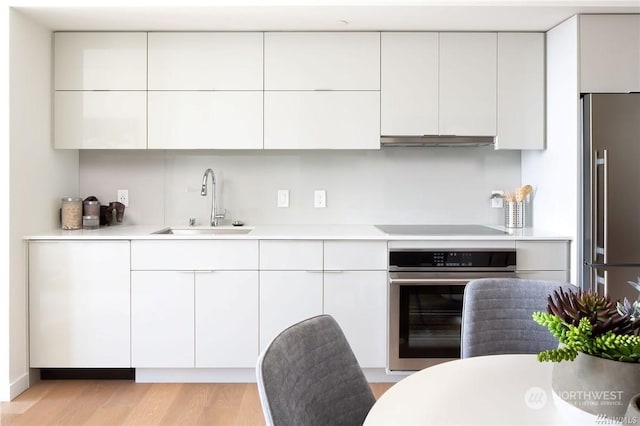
[497, 199]
[123, 197]
[319, 198]
[283, 198]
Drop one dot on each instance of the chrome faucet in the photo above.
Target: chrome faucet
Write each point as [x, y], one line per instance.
[203, 192]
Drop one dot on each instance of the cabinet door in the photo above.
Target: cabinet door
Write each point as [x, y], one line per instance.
[226, 319]
[205, 120]
[322, 61]
[409, 84]
[205, 61]
[291, 255]
[322, 120]
[468, 84]
[162, 319]
[521, 91]
[287, 297]
[355, 255]
[542, 255]
[358, 302]
[96, 120]
[609, 53]
[79, 304]
[100, 61]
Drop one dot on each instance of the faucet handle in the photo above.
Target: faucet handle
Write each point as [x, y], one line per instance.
[192, 221]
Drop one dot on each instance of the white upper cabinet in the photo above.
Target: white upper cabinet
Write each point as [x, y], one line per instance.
[100, 61]
[322, 61]
[468, 84]
[521, 87]
[322, 120]
[100, 119]
[205, 61]
[409, 84]
[205, 119]
[609, 53]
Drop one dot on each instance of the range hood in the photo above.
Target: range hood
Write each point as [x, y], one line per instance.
[437, 140]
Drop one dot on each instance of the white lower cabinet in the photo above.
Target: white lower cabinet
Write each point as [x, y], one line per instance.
[287, 297]
[358, 302]
[79, 304]
[162, 319]
[226, 319]
[543, 260]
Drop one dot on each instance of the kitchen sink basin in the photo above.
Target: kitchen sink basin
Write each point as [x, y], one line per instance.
[206, 230]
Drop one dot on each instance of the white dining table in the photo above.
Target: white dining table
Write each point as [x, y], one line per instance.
[485, 390]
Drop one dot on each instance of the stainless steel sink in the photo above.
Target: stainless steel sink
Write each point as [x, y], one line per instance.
[206, 230]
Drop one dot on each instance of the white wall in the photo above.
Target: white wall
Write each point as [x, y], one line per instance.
[4, 213]
[554, 172]
[393, 185]
[39, 176]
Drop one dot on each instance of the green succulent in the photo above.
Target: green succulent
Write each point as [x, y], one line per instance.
[588, 323]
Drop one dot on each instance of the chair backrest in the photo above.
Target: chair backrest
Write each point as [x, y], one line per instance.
[496, 316]
[309, 375]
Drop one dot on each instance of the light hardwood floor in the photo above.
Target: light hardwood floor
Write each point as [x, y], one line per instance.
[118, 402]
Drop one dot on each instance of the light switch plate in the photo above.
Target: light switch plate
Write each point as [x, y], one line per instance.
[320, 198]
[283, 198]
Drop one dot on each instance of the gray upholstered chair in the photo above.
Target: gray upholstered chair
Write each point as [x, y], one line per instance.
[496, 316]
[309, 376]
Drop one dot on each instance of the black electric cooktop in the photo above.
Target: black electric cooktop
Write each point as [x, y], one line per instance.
[470, 230]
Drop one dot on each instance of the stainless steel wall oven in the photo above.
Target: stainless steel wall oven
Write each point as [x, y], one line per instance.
[426, 289]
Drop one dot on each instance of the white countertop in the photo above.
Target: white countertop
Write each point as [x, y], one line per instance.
[286, 232]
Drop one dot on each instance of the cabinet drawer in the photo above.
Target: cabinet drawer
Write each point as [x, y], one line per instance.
[194, 255]
[355, 255]
[542, 255]
[291, 255]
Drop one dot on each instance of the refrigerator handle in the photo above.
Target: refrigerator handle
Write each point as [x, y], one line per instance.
[599, 282]
[595, 186]
[605, 201]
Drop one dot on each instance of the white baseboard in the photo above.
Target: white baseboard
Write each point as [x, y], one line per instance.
[18, 386]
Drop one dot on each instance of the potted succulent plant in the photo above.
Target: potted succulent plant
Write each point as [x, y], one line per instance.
[602, 338]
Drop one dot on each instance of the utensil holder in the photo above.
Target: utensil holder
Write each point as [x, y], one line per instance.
[514, 214]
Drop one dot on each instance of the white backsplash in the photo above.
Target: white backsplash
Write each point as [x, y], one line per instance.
[393, 185]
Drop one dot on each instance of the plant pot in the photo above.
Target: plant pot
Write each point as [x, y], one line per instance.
[596, 385]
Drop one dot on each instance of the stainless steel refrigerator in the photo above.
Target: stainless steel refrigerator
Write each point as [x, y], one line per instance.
[610, 249]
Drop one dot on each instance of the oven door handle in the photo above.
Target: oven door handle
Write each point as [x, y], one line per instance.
[428, 281]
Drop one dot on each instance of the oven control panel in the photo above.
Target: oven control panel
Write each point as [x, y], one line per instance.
[420, 259]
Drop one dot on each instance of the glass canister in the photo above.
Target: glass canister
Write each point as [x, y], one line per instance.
[92, 208]
[71, 215]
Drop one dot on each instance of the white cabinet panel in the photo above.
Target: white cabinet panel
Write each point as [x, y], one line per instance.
[287, 297]
[322, 61]
[226, 319]
[194, 255]
[79, 304]
[468, 84]
[355, 255]
[205, 61]
[322, 120]
[358, 302]
[545, 275]
[100, 61]
[609, 53]
[162, 319]
[205, 120]
[95, 120]
[521, 90]
[291, 255]
[542, 255]
[409, 83]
